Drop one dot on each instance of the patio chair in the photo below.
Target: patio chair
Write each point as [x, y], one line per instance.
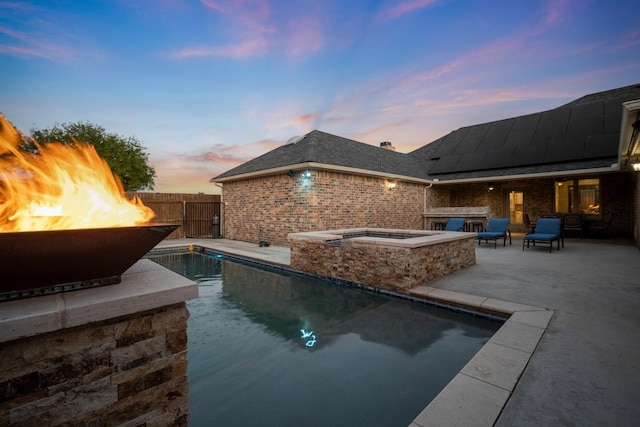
[454, 224]
[599, 228]
[498, 228]
[572, 222]
[528, 224]
[547, 230]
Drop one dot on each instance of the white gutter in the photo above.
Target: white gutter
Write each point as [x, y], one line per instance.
[614, 167]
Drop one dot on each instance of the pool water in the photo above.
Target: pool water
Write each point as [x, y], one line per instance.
[273, 348]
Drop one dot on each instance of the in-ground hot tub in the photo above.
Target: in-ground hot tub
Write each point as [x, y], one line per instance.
[392, 259]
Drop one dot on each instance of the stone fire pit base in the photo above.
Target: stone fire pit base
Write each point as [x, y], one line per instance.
[397, 260]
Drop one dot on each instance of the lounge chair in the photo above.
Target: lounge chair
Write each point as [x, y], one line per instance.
[498, 228]
[455, 224]
[547, 230]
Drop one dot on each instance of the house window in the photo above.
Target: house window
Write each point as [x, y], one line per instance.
[578, 196]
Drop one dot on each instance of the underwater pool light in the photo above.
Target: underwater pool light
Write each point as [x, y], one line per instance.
[308, 334]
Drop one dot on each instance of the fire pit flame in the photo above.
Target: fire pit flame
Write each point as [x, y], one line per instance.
[60, 187]
[65, 222]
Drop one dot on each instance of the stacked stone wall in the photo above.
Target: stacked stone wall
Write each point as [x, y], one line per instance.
[388, 267]
[130, 370]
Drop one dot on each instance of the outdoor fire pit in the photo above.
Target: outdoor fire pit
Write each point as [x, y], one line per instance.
[40, 262]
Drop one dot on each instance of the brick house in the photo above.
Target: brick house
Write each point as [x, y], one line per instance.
[576, 158]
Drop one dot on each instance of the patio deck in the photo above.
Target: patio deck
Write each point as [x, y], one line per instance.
[584, 370]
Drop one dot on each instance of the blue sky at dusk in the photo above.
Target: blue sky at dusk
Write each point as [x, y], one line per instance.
[208, 84]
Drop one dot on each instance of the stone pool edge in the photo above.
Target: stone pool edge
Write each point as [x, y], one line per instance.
[477, 395]
[481, 389]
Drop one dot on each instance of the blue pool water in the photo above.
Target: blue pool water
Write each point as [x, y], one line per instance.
[273, 348]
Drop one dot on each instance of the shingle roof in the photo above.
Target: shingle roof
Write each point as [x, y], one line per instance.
[324, 148]
[583, 134]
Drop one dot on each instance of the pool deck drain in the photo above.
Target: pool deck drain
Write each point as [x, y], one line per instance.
[480, 390]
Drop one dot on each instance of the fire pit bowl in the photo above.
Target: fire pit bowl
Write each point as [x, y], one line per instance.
[34, 263]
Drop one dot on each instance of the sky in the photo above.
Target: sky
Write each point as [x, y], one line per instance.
[206, 85]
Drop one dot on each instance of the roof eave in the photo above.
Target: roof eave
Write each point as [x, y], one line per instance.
[321, 166]
[550, 174]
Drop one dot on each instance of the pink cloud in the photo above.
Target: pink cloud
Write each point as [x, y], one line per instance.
[557, 10]
[25, 45]
[253, 14]
[251, 48]
[231, 156]
[307, 36]
[403, 8]
[303, 120]
[628, 40]
[369, 133]
[258, 30]
[17, 6]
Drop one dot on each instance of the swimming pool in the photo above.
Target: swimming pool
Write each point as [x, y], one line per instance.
[270, 347]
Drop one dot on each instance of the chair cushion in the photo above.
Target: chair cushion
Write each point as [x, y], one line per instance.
[498, 225]
[541, 236]
[490, 235]
[548, 226]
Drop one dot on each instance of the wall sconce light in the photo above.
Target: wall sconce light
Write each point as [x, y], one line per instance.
[291, 174]
[391, 185]
[636, 166]
[306, 174]
[491, 186]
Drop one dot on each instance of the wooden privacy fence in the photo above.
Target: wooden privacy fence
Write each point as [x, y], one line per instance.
[198, 215]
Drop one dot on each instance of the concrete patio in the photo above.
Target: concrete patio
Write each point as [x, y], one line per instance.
[585, 370]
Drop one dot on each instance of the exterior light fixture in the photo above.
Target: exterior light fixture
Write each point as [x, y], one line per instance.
[636, 167]
[491, 186]
[291, 174]
[306, 174]
[391, 185]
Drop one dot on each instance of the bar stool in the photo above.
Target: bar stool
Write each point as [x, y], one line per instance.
[476, 226]
[438, 225]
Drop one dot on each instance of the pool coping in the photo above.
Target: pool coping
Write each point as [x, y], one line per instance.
[478, 393]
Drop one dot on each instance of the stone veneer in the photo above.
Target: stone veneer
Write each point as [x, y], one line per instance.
[394, 264]
[115, 355]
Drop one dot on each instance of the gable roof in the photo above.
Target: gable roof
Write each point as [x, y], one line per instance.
[583, 134]
[580, 136]
[322, 150]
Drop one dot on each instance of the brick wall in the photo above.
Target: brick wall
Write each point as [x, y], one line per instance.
[636, 207]
[328, 200]
[131, 369]
[617, 196]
